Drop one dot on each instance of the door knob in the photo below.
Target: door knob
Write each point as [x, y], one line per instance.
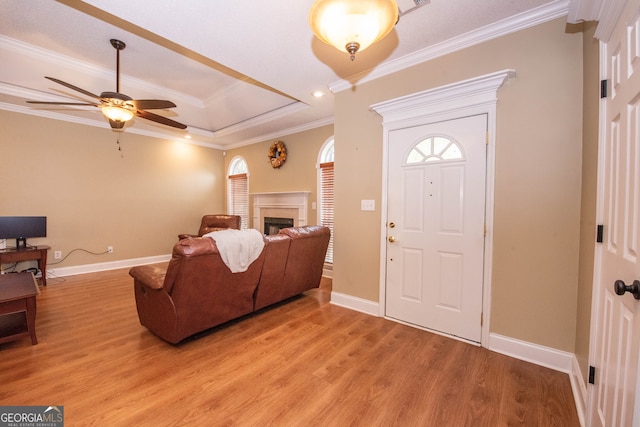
[620, 288]
[392, 239]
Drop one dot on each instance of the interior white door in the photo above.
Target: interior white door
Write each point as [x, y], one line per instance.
[435, 229]
[617, 335]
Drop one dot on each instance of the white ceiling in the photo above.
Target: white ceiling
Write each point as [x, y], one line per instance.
[239, 72]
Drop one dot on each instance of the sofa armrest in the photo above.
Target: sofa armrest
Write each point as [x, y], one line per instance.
[150, 276]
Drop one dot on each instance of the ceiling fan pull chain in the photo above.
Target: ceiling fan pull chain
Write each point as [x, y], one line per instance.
[118, 144]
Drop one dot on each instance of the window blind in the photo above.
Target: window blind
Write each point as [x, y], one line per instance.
[238, 198]
[326, 203]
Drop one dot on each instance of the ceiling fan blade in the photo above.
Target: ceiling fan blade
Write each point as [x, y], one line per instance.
[159, 119]
[63, 103]
[70, 86]
[152, 104]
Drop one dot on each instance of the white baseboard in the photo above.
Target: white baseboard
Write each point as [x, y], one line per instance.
[550, 358]
[355, 303]
[103, 266]
[579, 390]
[534, 353]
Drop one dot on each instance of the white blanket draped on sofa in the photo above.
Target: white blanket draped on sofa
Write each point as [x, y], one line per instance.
[238, 248]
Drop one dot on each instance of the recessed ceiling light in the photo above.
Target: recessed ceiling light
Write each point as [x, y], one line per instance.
[318, 94]
[187, 136]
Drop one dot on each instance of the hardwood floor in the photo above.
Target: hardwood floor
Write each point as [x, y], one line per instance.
[303, 363]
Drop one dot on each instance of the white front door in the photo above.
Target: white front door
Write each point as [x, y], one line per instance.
[617, 317]
[435, 225]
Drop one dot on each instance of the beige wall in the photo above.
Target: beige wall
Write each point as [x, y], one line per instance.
[94, 197]
[139, 202]
[297, 174]
[589, 186]
[538, 178]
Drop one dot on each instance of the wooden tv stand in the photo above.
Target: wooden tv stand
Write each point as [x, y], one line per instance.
[30, 253]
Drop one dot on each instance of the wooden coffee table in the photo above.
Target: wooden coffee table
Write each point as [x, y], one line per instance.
[18, 306]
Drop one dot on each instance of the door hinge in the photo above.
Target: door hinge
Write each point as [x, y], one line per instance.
[592, 375]
[603, 88]
[486, 140]
[600, 233]
[485, 230]
[481, 319]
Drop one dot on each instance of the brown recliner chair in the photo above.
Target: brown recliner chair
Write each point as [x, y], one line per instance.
[215, 222]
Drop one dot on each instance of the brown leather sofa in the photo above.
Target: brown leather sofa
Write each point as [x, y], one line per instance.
[197, 291]
[215, 222]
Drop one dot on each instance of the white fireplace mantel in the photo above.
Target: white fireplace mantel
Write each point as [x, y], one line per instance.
[288, 204]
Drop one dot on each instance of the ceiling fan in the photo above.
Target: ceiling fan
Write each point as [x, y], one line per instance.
[118, 107]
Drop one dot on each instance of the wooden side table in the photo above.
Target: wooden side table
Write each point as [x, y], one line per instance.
[32, 253]
[18, 306]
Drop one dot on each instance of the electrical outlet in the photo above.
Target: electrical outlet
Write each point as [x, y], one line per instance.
[110, 249]
[57, 254]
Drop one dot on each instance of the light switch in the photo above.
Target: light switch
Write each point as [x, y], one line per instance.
[368, 205]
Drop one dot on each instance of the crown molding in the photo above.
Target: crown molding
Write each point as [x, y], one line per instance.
[105, 126]
[203, 133]
[288, 131]
[530, 18]
[253, 122]
[606, 12]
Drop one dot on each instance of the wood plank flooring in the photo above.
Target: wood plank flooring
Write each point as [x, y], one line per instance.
[302, 363]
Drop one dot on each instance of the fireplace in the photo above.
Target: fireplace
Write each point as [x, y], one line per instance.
[291, 205]
[273, 225]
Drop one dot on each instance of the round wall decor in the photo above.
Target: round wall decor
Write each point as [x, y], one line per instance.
[277, 154]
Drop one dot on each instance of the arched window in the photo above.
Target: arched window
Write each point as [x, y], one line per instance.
[238, 190]
[325, 192]
[435, 148]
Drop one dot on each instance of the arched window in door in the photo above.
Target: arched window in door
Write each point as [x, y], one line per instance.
[435, 148]
[238, 190]
[325, 192]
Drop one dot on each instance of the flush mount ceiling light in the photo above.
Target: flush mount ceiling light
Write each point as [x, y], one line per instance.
[352, 25]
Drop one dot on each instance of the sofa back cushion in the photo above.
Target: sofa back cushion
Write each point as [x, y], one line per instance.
[185, 248]
[270, 287]
[305, 262]
[218, 222]
[203, 289]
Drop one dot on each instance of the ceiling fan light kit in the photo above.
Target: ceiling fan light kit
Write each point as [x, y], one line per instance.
[117, 107]
[117, 113]
[352, 25]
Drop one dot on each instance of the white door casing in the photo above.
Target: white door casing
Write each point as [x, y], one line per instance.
[615, 334]
[435, 235]
[471, 97]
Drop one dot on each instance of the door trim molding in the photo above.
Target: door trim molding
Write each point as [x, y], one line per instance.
[465, 98]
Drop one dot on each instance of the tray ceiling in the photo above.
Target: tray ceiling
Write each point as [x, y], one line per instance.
[239, 72]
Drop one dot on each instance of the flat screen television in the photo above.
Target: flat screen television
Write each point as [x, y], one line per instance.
[22, 228]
